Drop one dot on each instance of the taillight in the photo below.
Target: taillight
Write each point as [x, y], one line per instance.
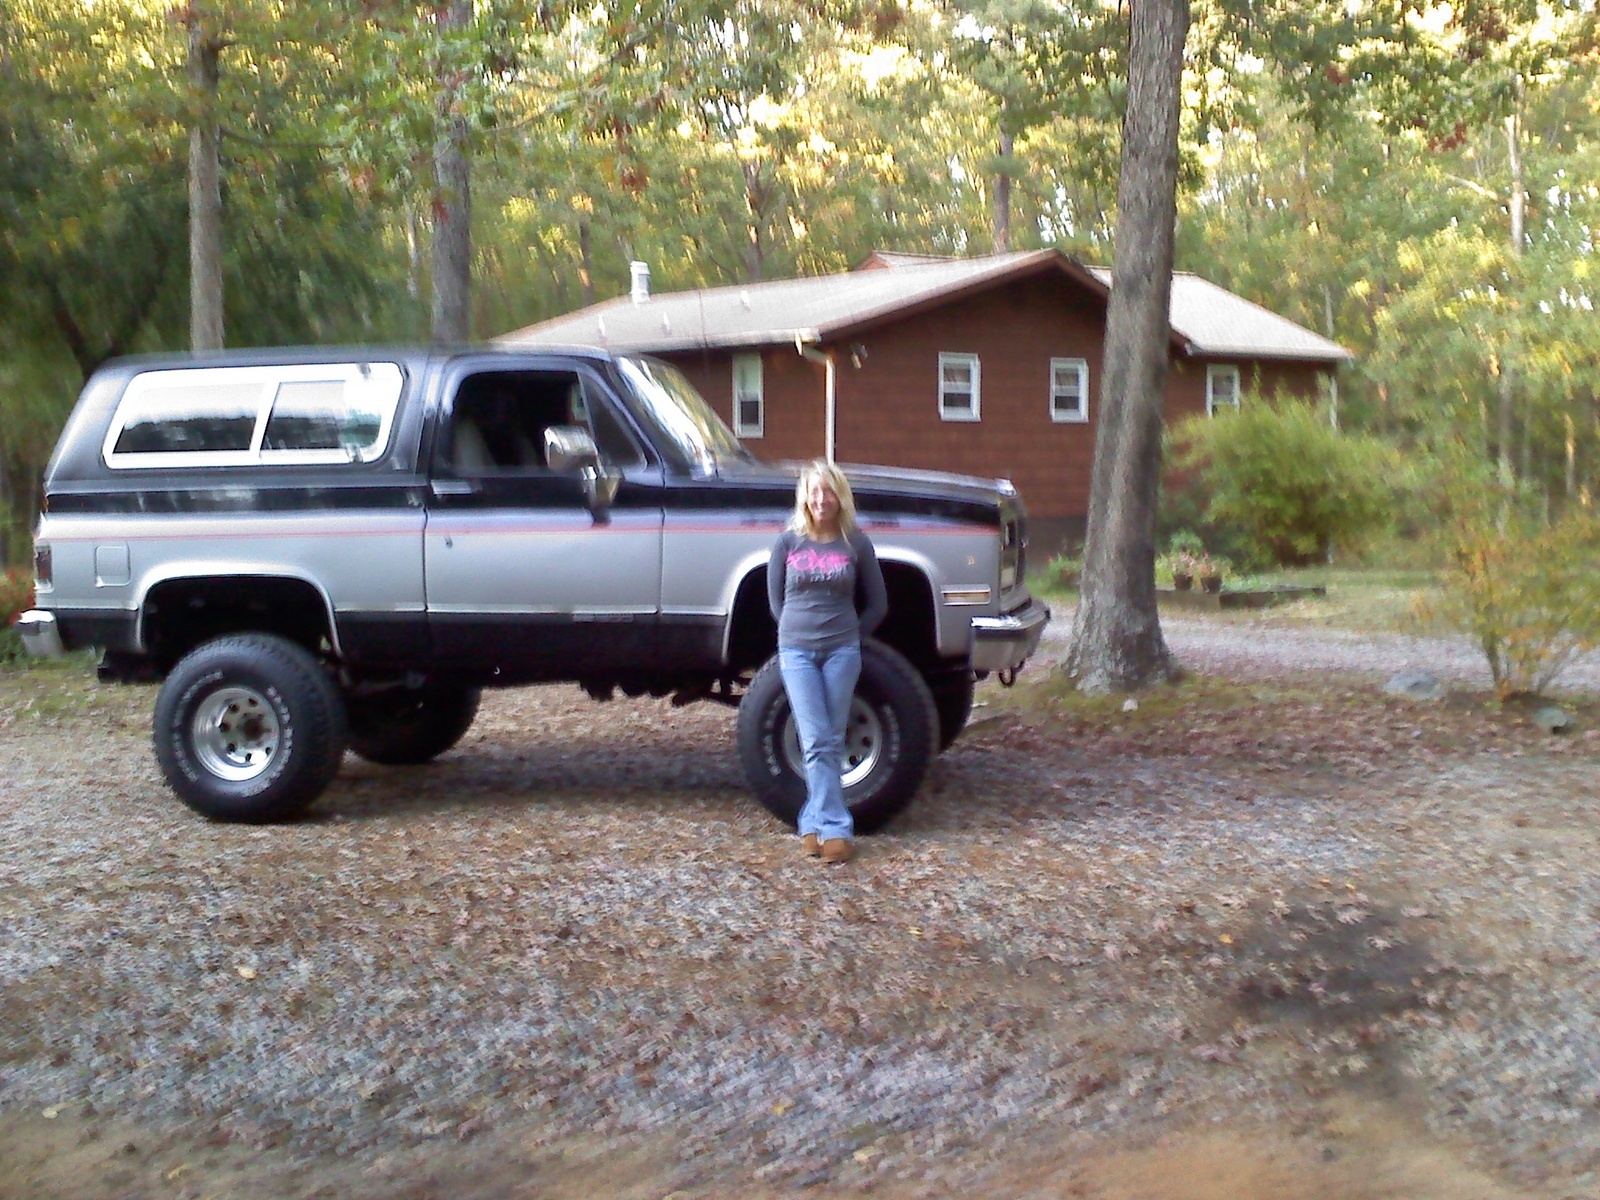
[43, 566]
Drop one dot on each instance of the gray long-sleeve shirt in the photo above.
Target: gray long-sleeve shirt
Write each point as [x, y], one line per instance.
[824, 595]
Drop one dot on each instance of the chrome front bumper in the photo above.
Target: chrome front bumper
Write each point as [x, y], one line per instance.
[1004, 643]
[41, 636]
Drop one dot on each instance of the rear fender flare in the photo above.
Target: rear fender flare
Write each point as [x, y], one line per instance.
[231, 571]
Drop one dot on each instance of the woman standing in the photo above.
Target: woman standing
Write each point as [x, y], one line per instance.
[826, 593]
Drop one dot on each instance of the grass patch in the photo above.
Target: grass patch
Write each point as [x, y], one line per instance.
[1365, 599]
[1050, 696]
[60, 688]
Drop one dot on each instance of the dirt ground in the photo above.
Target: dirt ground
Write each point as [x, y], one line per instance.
[1359, 1148]
[1254, 938]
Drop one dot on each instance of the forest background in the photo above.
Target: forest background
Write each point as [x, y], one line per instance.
[1419, 181]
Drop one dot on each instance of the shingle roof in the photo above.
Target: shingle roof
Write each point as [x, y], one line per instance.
[1212, 320]
[1222, 324]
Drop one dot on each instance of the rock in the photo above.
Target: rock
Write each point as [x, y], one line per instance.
[1415, 685]
[1552, 719]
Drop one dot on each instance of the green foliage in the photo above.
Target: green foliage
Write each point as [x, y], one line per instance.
[1186, 541]
[1061, 574]
[1187, 557]
[1293, 486]
[1523, 588]
[16, 597]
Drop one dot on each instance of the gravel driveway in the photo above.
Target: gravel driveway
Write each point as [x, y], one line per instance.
[1243, 644]
[1285, 936]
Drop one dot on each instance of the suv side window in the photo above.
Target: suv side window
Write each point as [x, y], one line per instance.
[253, 416]
[498, 420]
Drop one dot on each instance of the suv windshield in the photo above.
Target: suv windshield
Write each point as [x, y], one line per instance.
[689, 427]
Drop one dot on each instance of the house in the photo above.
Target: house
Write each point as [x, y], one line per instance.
[987, 366]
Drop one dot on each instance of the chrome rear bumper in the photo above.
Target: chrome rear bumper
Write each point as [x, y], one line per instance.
[1004, 643]
[41, 636]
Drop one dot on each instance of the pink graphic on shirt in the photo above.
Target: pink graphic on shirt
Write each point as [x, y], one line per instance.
[818, 564]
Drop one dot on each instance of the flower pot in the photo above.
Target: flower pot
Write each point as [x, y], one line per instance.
[1181, 582]
[1211, 583]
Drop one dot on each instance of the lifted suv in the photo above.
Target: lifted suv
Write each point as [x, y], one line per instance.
[322, 549]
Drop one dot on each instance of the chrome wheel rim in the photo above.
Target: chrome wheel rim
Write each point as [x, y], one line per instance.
[236, 733]
[863, 743]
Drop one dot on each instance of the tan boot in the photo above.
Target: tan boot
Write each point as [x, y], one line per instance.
[838, 850]
[811, 844]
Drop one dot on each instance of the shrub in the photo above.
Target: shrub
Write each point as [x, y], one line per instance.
[1289, 483]
[1524, 589]
[1197, 563]
[16, 597]
[1186, 541]
[1062, 573]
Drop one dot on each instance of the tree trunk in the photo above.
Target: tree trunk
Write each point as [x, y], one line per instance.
[452, 201]
[413, 253]
[1572, 456]
[1002, 192]
[586, 261]
[1518, 206]
[7, 517]
[205, 191]
[755, 200]
[1116, 636]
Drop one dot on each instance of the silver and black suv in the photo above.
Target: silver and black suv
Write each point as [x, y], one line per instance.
[325, 549]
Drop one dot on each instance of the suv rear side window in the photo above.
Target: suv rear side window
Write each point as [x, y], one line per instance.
[242, 416]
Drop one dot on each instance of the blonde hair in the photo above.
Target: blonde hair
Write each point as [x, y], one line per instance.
[823, 470]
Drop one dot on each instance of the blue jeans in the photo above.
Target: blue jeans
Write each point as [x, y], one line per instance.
[820, 684]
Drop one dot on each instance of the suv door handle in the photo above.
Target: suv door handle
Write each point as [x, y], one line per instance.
[452, 487]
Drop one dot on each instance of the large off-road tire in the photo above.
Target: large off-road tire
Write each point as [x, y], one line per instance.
[952, 697]
[249, 727]
[892, 738]
[408, 726]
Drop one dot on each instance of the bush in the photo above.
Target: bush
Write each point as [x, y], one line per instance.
[1186, 541]
[16, 597]
[1524, 589]
[1186, 554]
[1291, 486]
[1062, 573]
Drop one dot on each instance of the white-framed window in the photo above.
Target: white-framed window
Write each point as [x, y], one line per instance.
[749, 403]
[960, 387]
[1069, 389]
[246, 416]
[1222, 387]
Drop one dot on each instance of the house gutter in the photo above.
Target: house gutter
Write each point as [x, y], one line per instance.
[825, 357]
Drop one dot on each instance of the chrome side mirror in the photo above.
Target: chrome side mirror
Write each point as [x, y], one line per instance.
[572, 448]
[569, 448]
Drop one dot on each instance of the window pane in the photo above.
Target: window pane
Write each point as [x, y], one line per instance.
[1224, 383]
[958, 375]
[320, 415]
[747, 373]
[1068, 385]
[749, 413]
[956, 401]
[192, 418]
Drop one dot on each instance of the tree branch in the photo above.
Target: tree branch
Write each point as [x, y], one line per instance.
[69, 329]
[263, 144]
[1486, 193]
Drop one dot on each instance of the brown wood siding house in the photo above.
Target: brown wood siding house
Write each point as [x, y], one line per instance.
[986, 366]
